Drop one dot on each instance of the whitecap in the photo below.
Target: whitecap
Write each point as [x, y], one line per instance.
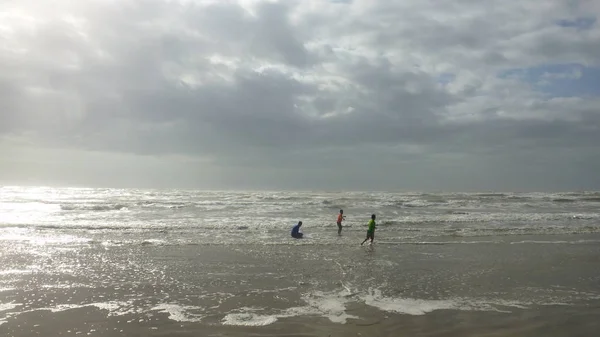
[178, 312]
[248, 319]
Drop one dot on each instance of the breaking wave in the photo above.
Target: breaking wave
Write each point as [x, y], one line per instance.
[88, 207]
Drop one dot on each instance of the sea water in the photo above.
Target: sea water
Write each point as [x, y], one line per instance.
[227, 258]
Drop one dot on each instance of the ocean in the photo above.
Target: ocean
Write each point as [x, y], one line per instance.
[120, 262]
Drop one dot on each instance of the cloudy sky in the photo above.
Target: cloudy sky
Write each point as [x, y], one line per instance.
[301, 94]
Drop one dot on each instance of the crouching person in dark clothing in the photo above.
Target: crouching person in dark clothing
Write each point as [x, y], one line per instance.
[296, 231]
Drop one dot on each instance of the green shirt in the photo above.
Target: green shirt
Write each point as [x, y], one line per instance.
[372, 225]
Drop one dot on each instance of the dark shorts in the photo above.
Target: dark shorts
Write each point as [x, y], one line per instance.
[298, 236]
[339, 225]
[371, 235]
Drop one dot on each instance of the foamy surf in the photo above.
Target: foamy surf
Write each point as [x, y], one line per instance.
[179, 313]
[407, 306]
[8, 306]
[333, 306]
[412, 306]
[330, 305]
[248, 319]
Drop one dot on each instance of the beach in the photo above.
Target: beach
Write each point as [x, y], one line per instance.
[79, 262]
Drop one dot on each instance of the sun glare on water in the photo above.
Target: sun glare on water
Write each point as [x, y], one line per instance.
[26, 206]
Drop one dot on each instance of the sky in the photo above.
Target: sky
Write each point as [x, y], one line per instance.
[412, 95]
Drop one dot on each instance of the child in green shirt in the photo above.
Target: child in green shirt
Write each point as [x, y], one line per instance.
[371, 230]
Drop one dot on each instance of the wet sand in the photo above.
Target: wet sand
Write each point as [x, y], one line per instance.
[94, 322]
[524, 287]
